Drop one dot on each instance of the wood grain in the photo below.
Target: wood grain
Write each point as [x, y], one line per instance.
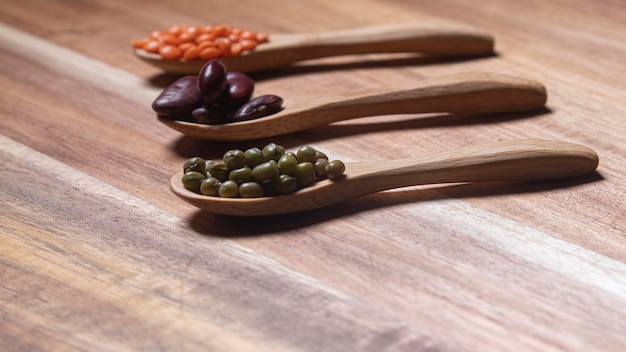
[97, 254]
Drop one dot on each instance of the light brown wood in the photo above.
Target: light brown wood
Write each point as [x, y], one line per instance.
[287, 49]
[469, 93]
[503, 161]
[97, 254]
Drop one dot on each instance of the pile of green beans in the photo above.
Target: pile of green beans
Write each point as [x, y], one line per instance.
[258, 172]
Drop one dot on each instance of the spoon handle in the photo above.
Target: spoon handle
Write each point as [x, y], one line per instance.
[471, 93]
[500, 161]
[387, 38]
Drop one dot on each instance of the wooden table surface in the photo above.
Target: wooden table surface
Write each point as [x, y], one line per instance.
[97, 254]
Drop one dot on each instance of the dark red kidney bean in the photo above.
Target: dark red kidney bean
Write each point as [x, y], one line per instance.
[258, 107]
[239, 89]
[211, 116]
[179, 98]
[212, 81]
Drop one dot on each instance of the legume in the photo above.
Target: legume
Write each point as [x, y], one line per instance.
[265, 172]
[286, 184]
[304, 174]
[306, 153]
[179, 98]
[195, 164]
[287, 164]
[335, 169]
[239, 89]
[258, 107]
[273, 151]
[251, 190]
[192, 180]
[259, 172]
[320, 167]
[211, 81]
[210, 186]
[234, 159]
[218, 170]
[228, 189]
[241, 175]
[254, 157]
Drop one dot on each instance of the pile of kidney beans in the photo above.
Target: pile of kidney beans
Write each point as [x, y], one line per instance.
[214, 96]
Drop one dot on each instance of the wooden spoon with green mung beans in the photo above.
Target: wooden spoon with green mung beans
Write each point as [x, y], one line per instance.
[470, 93]
[500, 161]
[286, 49]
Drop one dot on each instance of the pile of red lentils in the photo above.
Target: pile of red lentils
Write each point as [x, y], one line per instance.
[200, 42]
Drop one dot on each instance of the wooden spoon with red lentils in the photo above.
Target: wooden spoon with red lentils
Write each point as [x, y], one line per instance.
[185, 49]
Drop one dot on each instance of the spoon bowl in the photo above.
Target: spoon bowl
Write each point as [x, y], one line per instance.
[287, 49]
[460, 93]
[501, 161]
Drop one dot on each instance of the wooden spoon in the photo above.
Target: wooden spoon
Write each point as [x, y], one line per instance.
[460, 93]
[501, 161]
[286, 49]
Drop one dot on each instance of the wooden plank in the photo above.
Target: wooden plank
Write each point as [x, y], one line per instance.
[97, 254]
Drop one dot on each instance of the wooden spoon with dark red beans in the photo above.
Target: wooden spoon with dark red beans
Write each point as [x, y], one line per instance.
[471, 93]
